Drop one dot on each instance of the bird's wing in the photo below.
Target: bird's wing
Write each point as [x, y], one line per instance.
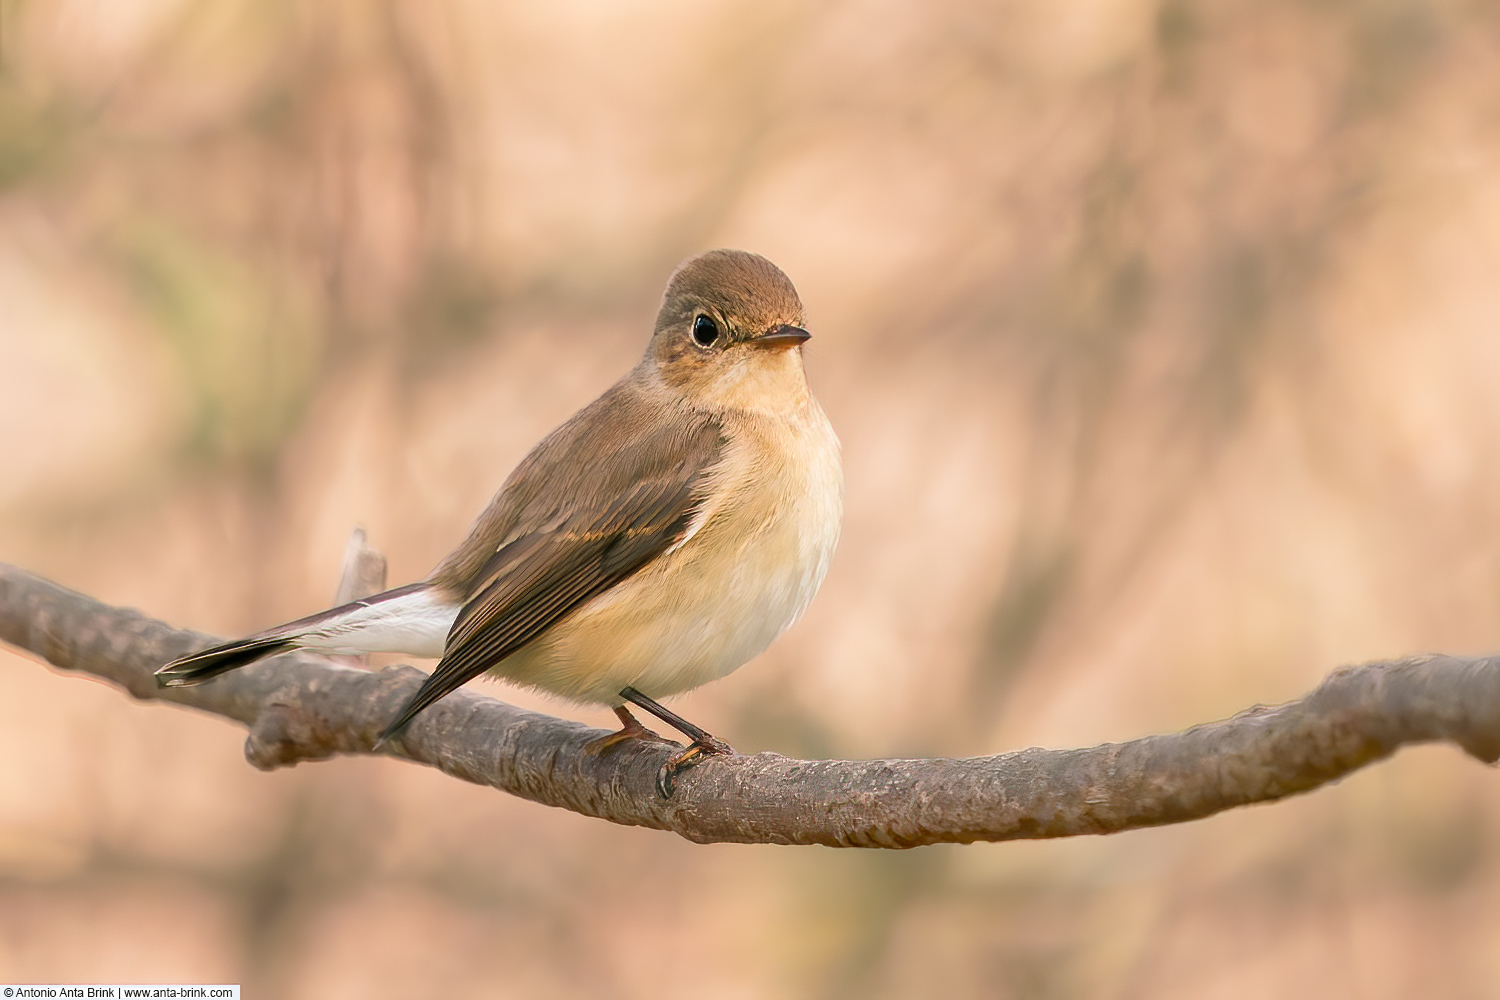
[585, 518]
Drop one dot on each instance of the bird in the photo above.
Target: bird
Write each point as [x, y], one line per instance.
[658, 539]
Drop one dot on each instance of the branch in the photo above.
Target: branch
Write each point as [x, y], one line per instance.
[303, 707]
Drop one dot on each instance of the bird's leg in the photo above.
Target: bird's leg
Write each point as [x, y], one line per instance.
[703, 743]
[630, 729]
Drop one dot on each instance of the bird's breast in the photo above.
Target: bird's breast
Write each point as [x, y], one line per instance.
[747, 569]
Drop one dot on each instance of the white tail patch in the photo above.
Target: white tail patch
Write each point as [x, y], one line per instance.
[412, 623]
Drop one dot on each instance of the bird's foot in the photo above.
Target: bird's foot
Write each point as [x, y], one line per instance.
[630, 729]
[704, 746]
[704, 743]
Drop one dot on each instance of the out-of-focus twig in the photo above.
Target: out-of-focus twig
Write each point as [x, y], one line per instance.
[364, 570]
[363, 574]
[301, 707]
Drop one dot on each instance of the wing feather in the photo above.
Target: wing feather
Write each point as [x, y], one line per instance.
[577, 529]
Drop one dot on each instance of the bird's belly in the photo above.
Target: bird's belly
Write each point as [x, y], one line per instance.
[696, 613]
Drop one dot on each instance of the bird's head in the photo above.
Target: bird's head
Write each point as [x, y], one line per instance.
[730, 333]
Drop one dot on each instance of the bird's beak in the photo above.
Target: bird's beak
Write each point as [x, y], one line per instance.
[781, 337]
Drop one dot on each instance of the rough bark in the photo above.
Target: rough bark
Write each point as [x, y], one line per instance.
[301, 707]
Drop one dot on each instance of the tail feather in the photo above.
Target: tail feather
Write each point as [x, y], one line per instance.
[405, 620]
[198, 667]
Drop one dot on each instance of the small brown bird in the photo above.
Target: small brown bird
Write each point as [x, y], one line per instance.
[664, 535]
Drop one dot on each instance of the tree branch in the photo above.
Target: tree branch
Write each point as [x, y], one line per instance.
[303, 707]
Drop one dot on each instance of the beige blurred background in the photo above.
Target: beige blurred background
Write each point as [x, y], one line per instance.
[1162, 339]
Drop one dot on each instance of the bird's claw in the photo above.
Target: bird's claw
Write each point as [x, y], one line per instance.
[638, 732]
[666, 778]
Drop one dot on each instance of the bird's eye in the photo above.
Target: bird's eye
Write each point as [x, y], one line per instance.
[705, 331]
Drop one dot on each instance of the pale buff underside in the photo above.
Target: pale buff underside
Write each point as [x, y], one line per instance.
[700, 611]
[748, 571]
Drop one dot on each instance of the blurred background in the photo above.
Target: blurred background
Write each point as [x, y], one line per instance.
[1162, 339]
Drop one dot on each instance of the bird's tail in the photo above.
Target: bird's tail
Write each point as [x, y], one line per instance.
[405, 620]
[195, 668]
